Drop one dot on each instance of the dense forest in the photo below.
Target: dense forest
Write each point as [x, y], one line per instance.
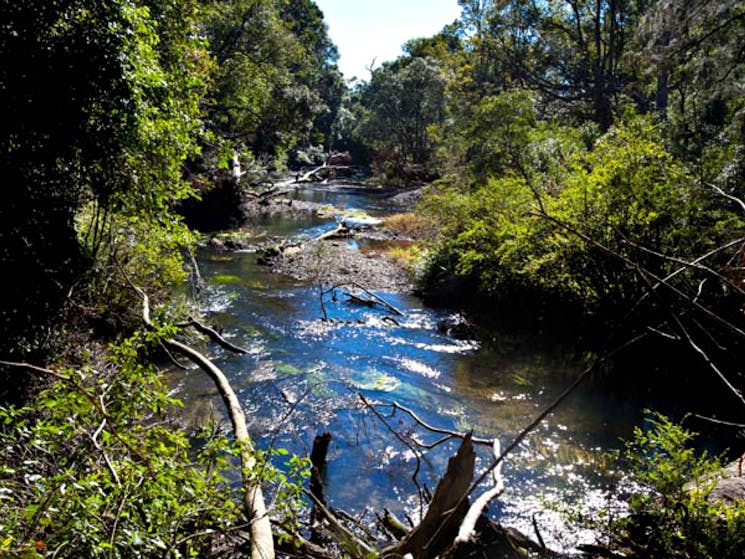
[581, 164]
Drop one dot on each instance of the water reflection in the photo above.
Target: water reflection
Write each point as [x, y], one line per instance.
[301, 377]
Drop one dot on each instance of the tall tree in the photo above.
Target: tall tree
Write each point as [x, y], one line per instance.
[693, 52]
[101, 107]
[278, 85]
[403, 100]
[569, 50]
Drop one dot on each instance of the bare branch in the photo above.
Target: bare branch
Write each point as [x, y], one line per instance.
[695, 265]
[468, 526]
[720, 421]
[721, 192]
[411, 447]
[537, 421]
[441, 431]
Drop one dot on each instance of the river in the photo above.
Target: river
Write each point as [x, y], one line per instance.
[302, 377]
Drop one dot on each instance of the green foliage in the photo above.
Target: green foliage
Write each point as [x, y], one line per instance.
[402, 101]
[491, 137]
[97, 467]
[107, 110]
[536, 227]
[278, 86]
[669, 513]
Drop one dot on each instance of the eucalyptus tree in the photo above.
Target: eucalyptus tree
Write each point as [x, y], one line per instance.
[316, 70]
[402, 101]
[277, 85]
[572, 51]
[691, 52]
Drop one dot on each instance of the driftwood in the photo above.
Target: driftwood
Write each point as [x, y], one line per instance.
[262, 542]
[325, 172]
[431, 537]
[339, 232]
[213, 335]
[375, 299]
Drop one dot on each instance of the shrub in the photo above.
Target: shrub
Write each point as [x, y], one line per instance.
[95, 468]
[670, 514]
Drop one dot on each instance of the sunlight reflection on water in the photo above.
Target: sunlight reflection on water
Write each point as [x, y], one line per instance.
[301, 377]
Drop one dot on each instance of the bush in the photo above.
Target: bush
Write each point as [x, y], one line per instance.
[629, 194]
[670, 514]
[95, 468]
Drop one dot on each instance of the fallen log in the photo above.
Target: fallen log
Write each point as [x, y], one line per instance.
[326, 172]
[213, 335]
[313, 174]
[340, 231]
[377, 298]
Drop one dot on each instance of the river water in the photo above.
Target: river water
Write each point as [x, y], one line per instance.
[303, 377]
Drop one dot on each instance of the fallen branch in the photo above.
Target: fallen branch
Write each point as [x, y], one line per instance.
[312, 175]
[340, 231]
[408, 444]
[215, 336]
[348, 540]
[262, 543]
[377, 298]
[393, 525]
[468, 526]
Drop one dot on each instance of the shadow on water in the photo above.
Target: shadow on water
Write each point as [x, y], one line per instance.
[302, 375]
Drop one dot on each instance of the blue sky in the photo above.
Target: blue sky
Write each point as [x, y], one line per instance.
[367, 29]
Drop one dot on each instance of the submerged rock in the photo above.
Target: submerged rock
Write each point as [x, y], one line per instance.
[455, 325]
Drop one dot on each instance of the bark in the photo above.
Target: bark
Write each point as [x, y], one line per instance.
[440, 525]
[318, 469]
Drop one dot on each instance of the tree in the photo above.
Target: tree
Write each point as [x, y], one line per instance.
[402, 101]
[569, 50]
[278, 85]
[102, 107]
[692, 52]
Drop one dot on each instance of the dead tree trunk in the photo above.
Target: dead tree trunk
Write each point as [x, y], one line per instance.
[430, 537]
